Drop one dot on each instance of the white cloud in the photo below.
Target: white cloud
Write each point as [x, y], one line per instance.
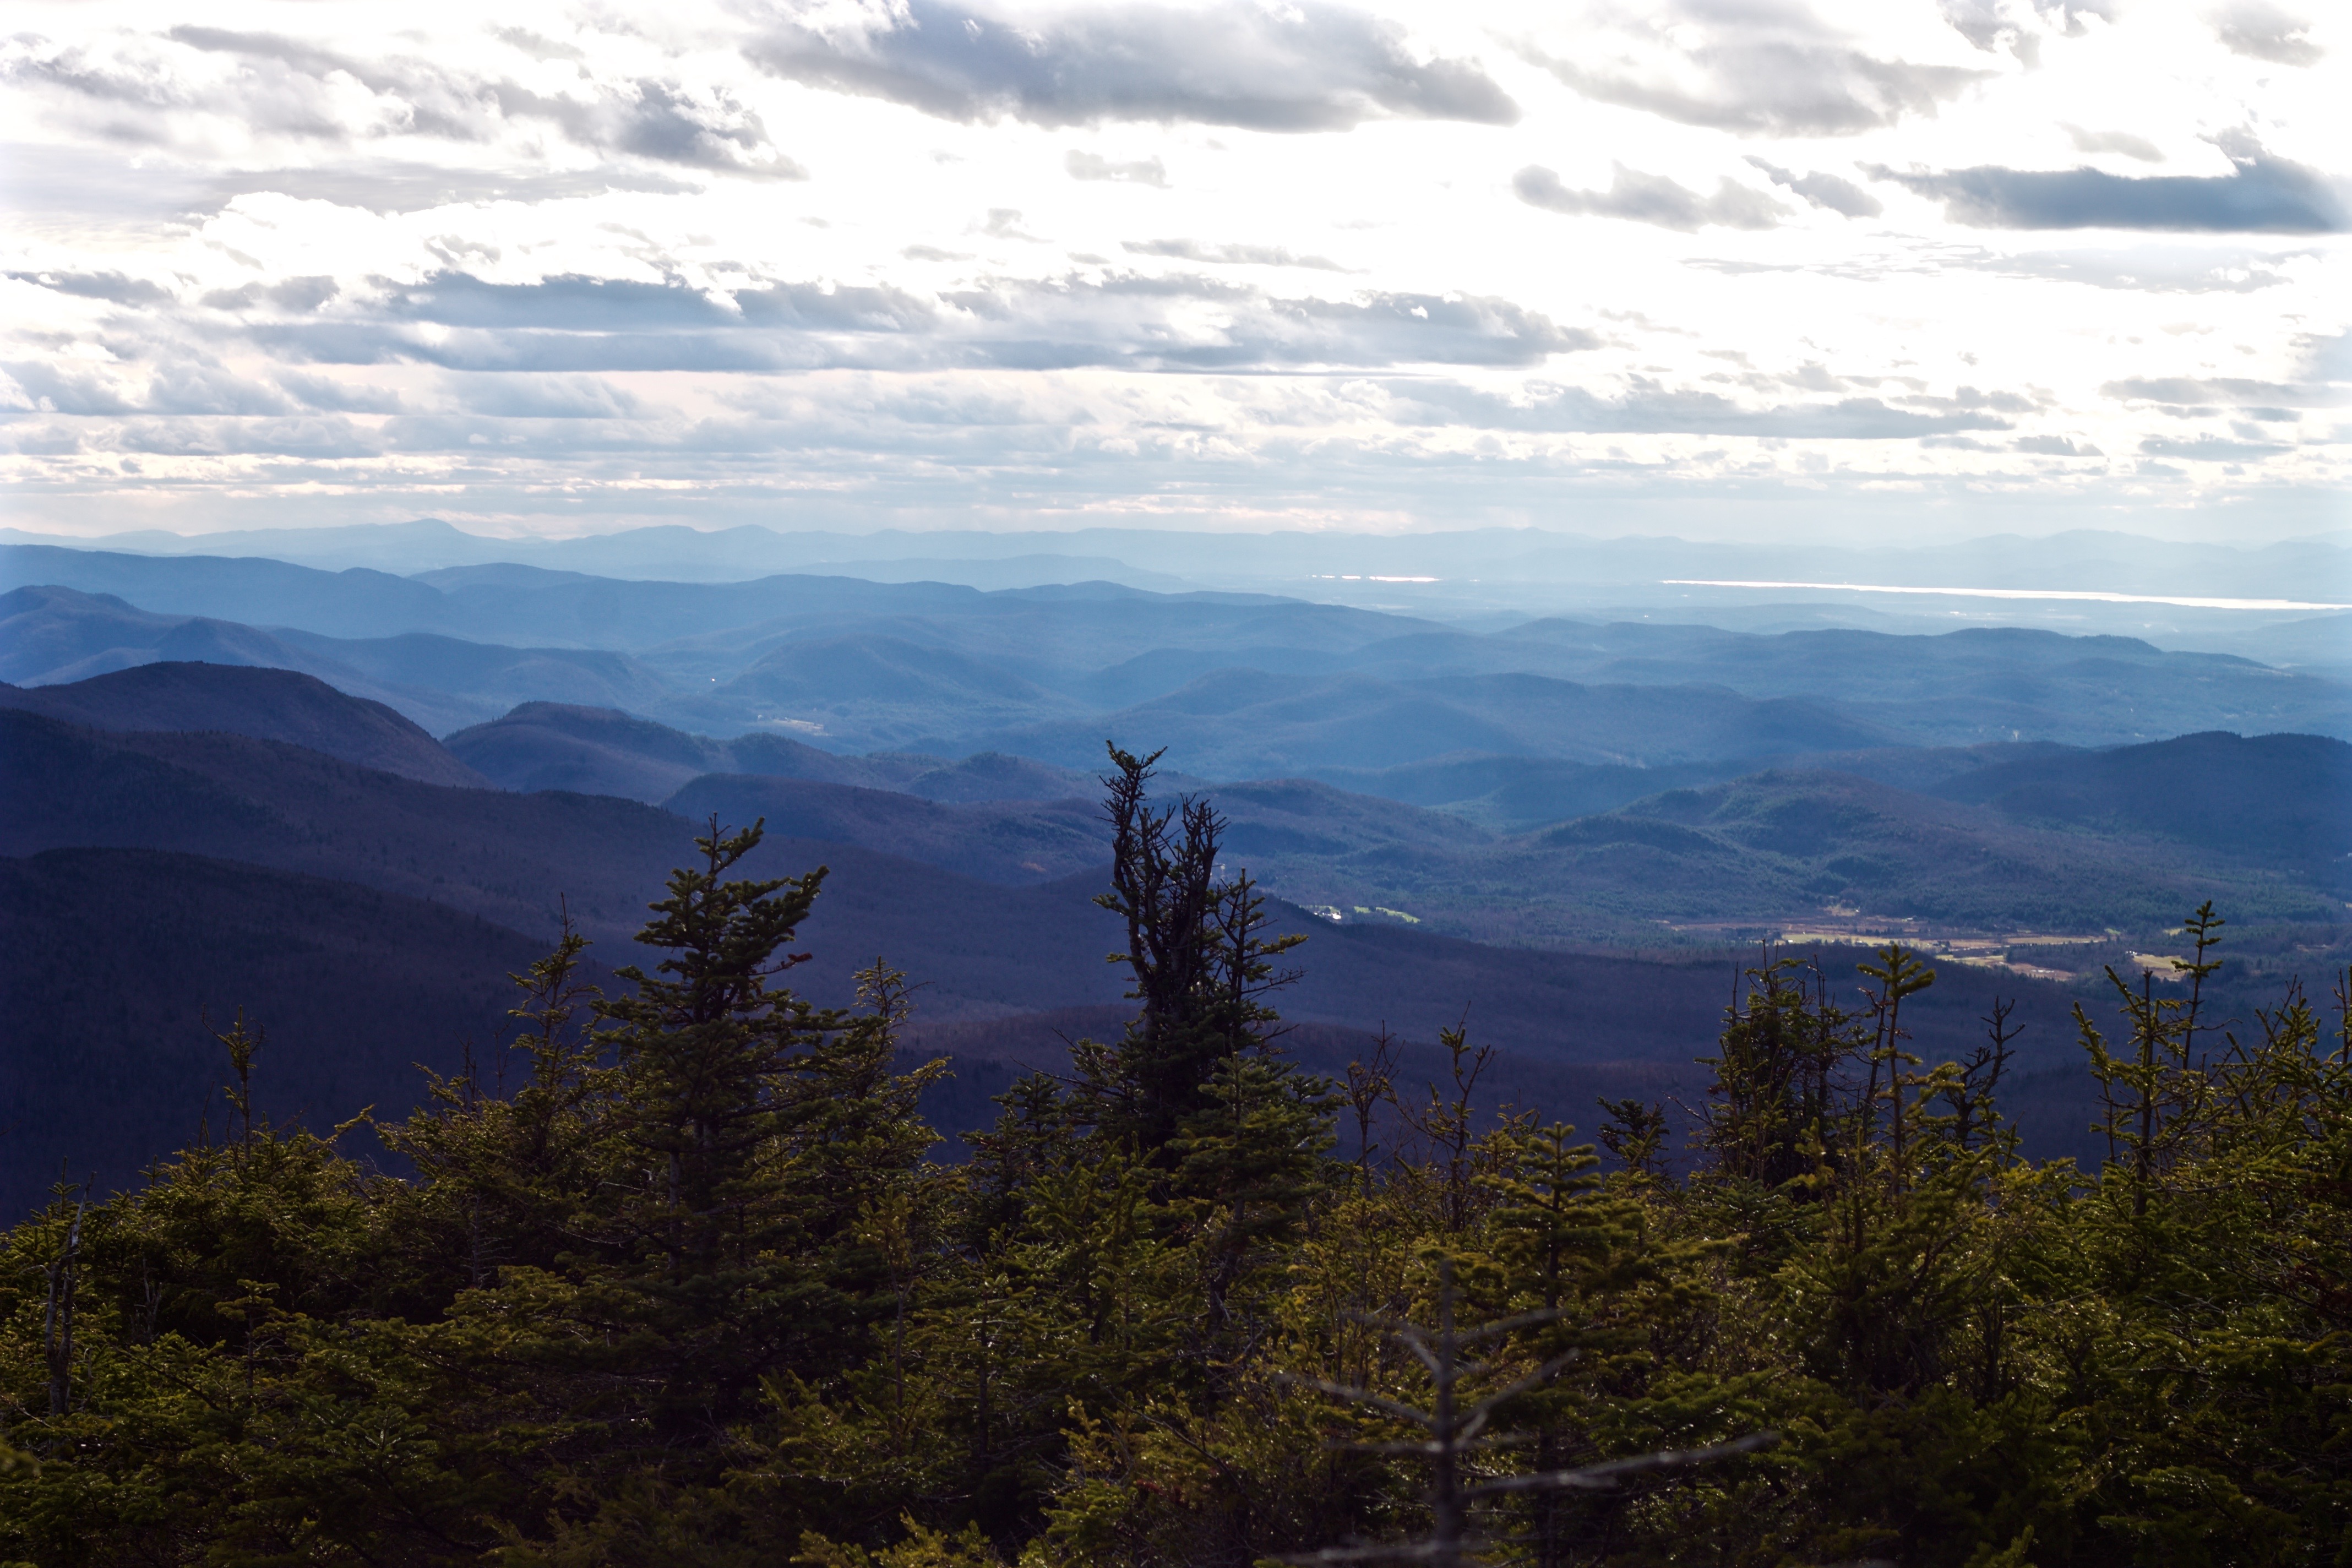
[1085, 166]
[2266, 32]
[1765, 67]
[1296, 67]
[876, 260]
[1650, 198]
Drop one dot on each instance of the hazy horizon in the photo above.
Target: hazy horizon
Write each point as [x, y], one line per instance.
[2282, 602]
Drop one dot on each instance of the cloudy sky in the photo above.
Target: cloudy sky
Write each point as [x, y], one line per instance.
[1718, 266]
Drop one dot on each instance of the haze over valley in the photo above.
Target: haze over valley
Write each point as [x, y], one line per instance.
[1471, 814]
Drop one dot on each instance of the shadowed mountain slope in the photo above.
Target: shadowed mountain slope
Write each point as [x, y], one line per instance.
[1958, 687]
[51, 635]
[1763, 849]
[1018, 842]
[602, 751]
[112, 960]
[266, 704]
[982, 776]
[1011, 842]
[473, 681]
[509, 858]
[591, 751]
[1784, 846]
[1510, 795]
[1242, 723]
[1907, 854]
[125, 954]
[2272, 800]
[882, 670]
[877, 692]
[1303, 816]
[1513, 794]
[983, 948]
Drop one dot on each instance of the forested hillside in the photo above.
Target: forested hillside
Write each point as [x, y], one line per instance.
[152, 850]
[267, 704]
[669, 1275]
[267, 810]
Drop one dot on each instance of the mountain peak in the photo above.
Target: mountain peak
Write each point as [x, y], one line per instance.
[240, 700]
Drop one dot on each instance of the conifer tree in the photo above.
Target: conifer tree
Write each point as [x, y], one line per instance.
[1768, 1111]
[687, 1290]
[748, 1130]
[1560, 1246]
[1198, 956]
[1900, 975]
[707, 1055]
[504, 1176]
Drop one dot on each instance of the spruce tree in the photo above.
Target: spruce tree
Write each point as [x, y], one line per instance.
[1199, 961]
[750, 1129]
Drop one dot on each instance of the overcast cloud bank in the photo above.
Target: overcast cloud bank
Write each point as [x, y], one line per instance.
[1220, 263]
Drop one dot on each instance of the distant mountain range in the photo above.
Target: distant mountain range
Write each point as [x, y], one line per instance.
[1999, 836]
[1512, 566]
[149, 880]
[1998, 839]
[1241, 686]
[219, 778]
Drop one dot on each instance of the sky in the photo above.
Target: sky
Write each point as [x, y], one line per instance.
[1735, 268]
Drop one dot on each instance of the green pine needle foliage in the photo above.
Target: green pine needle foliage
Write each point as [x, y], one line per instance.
[680, 1281]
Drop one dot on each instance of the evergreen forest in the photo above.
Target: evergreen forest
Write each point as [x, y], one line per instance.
[676, 1275]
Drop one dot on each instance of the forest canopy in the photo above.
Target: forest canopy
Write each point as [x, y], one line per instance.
[681, 1280]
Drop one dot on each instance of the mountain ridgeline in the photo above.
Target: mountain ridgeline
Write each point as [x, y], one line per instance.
[952, 888]
[1239, 685]
[1589, 952]
[1555, 783]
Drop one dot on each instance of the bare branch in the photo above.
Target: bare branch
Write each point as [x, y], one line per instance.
[1599, 1477]
[1409, 1551]
[1358, 1396]
[1511, 1390]
[1485, 1332]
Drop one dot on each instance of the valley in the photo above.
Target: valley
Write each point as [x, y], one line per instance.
[1514, 828]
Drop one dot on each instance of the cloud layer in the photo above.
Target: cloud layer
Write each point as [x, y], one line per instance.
[859, 262]
[2259, 195]
[1763, 68]
[1291, 68]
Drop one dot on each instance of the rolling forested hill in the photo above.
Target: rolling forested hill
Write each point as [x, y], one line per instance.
[265, 703]
[200, 846]
[1560, 826]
